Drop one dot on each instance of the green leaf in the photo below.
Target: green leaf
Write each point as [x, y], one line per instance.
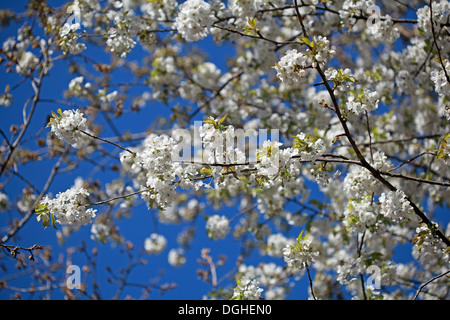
[222, 119]
[211, 121]
[151, 202]
[53, 220]
[206, 171]
[306, 41]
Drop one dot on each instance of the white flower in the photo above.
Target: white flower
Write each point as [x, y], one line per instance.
[307, 147]
[217, 227]
[440, 13]
[176, 257]
[155, 244]
[365, 101]
[247, 289]
[383, 30]
[268, 159]
[359, 182]
[360, 214]
[194, 20]
[276, 243]
[395, 206]
[300, 255]
[67, 124]
[6, 99]
[3, 201]
[99, 231]
[27, 63]
[67, 208]
[439, 79]
[69, 38]
[323, 48]
[291, 67]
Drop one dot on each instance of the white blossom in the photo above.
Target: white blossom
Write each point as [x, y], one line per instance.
[363, 101]
[441, 84]
[300, 255]
[395, 206]
[247, 289]
[67, 208]
[28, 62]
[155, 244]
[217, 227]
[292, 67]
[67, 125]
[194, 19]
[176, 257]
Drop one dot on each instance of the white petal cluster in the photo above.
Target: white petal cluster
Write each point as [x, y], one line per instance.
[323, 51]
[247, 289]
[308, 148]
[300, 255]
[395, 206]
[100, 231]
[155, 244]
[428, 249]
[276, 243]
[439, 79]
[362, 102]
[271, 277]
[441, 10]
[120, 36]
[383, 30]
[291, 67]
[3, 201]
[69, 39]
[156, 160]
[68, 208]
[217, 227]
[176, 257]
[66, 126]
[27, 62]
[269, 159]
[360, 214]
[359, 182]
[218, 144]
[194, 19]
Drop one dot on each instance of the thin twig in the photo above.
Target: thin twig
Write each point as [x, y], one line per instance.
[428, 282]
[310, 283]
[107, 141]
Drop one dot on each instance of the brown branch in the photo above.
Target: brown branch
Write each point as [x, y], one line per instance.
[428, 282]
[436, 44]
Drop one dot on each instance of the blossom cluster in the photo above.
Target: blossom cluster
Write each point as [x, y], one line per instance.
[67, 208]
[439, 78]
[395, 206]
[217, 227]
[363, 101]
[66, 125]
[300, 255]
[155, 244]
[292, 67]
[194, 19]
[247, 289]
